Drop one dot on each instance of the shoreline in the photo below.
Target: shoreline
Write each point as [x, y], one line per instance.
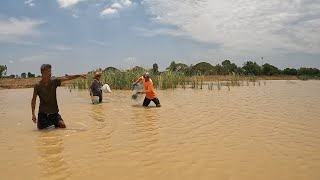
[21, 83]
[8, 83]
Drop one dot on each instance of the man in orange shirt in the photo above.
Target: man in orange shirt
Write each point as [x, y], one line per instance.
[151, 94]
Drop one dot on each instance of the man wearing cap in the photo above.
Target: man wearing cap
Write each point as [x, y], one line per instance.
[151, 94]
[95, 88]
[46, 89]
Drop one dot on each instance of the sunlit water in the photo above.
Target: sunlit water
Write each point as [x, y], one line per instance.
[256, 132]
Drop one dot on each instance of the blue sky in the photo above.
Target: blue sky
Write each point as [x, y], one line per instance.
[77, 36]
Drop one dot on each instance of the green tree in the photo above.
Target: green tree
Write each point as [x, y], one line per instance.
[3, 70]
[203, 68]
[183, 68]
[155, 68]
[270, 70]
[217, 70]
[228, 67]
[251, 68]
[23, 75]
[308, 71]
[239, 71]
[290, 71]
[172, 66]
[111, 69]
[30, 75]
[188, 70]
[138, 69]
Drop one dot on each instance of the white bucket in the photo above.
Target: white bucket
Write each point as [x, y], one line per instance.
[95, 99]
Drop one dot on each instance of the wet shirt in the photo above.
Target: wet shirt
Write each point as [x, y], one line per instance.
[48, 96]
[95, 88]
[149, 89]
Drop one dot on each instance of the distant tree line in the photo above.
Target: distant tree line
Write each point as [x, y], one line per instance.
[204, 68]
[248, 68]
[3, 73]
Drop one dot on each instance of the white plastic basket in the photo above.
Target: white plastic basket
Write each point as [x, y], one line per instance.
[95, 99]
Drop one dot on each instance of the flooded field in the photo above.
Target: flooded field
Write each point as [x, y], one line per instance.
[256, 132]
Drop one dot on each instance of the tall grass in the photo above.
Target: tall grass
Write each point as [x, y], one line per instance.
[170, 80]
[122, 80]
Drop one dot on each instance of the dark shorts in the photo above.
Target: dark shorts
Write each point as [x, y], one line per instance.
[147, 101]
[46, 120]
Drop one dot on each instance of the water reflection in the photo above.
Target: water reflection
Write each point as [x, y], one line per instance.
[102, 130]
[3, 104]
[98, 113]
[51, 151]
[146, 135]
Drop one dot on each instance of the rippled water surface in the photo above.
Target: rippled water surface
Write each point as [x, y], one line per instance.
[256, 132]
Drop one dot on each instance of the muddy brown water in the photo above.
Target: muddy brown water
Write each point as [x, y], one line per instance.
[256, 132]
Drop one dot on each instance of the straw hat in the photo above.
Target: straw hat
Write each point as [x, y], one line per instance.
[98, 73]
[146, 74]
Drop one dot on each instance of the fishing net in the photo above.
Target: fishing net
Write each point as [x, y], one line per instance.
[136, 88]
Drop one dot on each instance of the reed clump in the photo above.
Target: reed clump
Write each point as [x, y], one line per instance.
[122, 80]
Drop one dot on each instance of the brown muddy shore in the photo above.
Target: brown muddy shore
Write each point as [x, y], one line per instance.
[16, 83]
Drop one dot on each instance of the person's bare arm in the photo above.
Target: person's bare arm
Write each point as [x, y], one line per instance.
[70, 77]
[138, 80]
[33, 106]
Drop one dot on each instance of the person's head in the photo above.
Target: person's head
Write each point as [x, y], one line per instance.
[146, 76]
[97, 75]
[45, 71]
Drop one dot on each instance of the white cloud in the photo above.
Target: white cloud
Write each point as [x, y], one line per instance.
[61, 48]
[11, 61]
[29, 2]
[126, 2]
[157, 18]
[75, 16]
[13, 30]
[242, 27]
[161, 31]
[100, 43]
[121, 4]
[68, 3]
[111, 9]
[108, 11]
[116, 6]
[34, 58]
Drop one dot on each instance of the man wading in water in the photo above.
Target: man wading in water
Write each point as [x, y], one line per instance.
[151, 94]
[46, 89]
